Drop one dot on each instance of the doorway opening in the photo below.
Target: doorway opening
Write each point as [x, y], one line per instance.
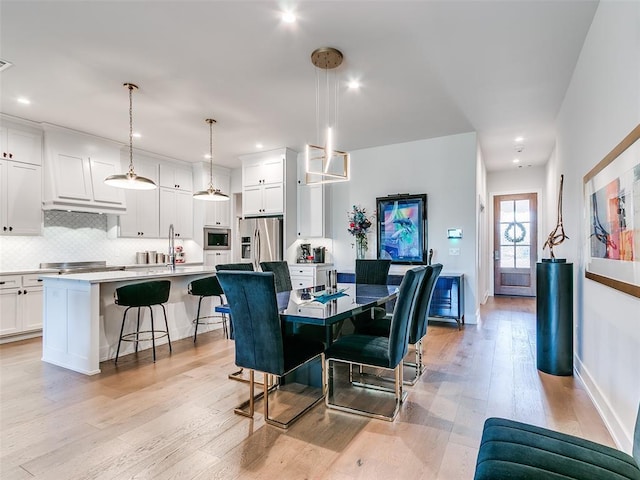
[515, 244]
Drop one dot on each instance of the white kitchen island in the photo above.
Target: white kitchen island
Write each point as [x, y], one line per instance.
[81, 322]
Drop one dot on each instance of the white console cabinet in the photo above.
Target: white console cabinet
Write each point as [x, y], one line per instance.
[306, 275]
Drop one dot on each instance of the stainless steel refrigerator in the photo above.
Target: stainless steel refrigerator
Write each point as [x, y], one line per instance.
[261, 240]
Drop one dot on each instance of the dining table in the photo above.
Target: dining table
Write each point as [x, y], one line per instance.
[321, 306]
[325, 306]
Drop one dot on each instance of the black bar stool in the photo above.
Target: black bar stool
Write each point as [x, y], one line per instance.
[207, 287]
[140, 295]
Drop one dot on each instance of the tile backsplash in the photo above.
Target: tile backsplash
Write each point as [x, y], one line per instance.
[80, 237]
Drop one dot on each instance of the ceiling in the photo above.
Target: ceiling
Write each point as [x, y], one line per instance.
[427, 69]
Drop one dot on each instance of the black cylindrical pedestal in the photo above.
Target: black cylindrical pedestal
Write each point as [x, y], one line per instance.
[554, 329]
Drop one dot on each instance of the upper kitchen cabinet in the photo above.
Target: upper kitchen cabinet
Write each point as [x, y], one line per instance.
[217, 214]
[143, 206]
[21, 145]
[313, 203]
[75, 167]
[20, 180]
[264, 179]
[176, 200]
[176, 176]
[176, 208]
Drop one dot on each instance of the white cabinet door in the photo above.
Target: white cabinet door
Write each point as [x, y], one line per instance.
[21, 146]
[148, 210]
[273, 170]
[167, 210]
[252, 201]
[310, 211]
[273, 199]
[31, 311]
[9, 321]
[218, 214]
[175, 176]
[24, 199]
[212, 259]
[252, 174]
[143, 206]
[103, 193]
[4, 223]
[184, 212]
[176, 207]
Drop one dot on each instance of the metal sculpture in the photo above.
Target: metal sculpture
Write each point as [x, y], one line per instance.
[557, 235]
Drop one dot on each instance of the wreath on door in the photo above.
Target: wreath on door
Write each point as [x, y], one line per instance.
[515, 232]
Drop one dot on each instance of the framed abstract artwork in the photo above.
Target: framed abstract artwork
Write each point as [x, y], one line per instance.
[612, 209]
[402, 228]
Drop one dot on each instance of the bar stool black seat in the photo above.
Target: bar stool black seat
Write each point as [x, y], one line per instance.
[138, 295]
[207, 287]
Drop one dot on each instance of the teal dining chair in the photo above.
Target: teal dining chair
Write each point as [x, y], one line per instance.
[260, 344]
[383, 352]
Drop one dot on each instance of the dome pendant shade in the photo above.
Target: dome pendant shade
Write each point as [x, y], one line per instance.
[211, 194]
[130, 180]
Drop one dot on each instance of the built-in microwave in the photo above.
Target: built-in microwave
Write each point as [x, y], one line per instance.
[217, 239]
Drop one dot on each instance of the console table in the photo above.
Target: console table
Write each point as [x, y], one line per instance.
[448, 298]
[448, 295]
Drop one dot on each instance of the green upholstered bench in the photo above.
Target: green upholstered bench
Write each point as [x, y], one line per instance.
[514, 450]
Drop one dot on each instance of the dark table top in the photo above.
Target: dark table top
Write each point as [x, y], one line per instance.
[308, 306]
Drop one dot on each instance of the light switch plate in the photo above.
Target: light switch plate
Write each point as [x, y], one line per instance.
[454, 251]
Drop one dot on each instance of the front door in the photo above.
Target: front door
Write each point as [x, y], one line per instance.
[515, 227]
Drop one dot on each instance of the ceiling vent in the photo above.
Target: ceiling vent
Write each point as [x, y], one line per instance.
[4, 65]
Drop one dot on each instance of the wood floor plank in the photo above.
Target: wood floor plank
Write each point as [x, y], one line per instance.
[174, 418]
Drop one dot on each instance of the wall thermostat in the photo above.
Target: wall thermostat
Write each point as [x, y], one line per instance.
[454, 233]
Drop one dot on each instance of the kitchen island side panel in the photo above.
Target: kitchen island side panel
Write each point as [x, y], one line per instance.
[82, 321]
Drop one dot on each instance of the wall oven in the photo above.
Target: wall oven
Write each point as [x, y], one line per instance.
[217, 239]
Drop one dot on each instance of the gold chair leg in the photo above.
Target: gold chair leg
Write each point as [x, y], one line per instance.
[239, 410]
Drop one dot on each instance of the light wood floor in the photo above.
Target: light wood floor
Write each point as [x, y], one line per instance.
[174, 418]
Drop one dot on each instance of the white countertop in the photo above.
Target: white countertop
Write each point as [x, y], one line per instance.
[124, 275]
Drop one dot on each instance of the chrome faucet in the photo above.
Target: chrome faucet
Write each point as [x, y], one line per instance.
[172, 250]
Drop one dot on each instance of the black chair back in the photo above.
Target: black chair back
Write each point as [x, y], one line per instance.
[402, 314]
[418, 328]
[281, 273]
[205, 287]
[373, 272]
[254, 309]
[143, 294]
[242, 267]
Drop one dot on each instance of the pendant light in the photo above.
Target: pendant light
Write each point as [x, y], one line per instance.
[324, 164]
[211, 194]
[130, 180]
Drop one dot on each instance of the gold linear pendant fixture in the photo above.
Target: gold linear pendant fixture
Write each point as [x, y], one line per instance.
[326, 164]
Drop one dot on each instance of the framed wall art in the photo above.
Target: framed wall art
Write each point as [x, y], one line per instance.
[612, 206]
[402, 228]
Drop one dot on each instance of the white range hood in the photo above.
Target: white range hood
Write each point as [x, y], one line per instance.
[75, 166]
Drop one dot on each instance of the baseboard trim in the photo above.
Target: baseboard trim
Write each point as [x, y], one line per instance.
[620, 435]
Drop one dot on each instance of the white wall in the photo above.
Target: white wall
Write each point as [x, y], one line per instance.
[601, 107]
[445, 169]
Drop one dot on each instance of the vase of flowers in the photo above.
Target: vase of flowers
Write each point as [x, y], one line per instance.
[359, 225]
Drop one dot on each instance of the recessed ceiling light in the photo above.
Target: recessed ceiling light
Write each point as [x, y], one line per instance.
[259, 145]
[518, 139]
[24, 100]
[288, 17]
[207, 156]
[516, 160]
[136, 135]
[353, 84]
